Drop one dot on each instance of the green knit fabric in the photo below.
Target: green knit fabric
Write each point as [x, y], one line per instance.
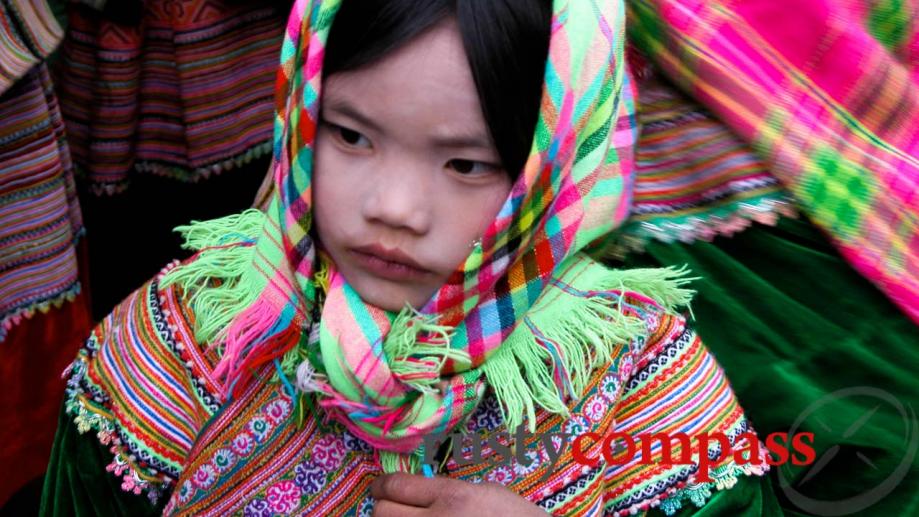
[792, 323]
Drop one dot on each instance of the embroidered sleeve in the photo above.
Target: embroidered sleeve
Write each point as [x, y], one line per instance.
[143, 387]
[676, 397]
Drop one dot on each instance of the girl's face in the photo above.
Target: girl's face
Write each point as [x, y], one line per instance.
[406, 174]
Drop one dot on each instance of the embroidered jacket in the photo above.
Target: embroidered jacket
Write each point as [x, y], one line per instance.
[146, 388]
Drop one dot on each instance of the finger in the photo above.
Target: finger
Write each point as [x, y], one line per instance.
[409, 489]
[384, 508]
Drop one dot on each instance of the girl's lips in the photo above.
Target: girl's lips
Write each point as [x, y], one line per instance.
[388, 265]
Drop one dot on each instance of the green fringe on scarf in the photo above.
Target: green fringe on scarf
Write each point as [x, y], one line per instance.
[587, 330]
[216, 280]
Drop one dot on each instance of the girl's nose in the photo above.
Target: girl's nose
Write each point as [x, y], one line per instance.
[399, 197]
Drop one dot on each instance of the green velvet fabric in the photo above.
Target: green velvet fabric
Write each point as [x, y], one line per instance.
[803, 337]
[77, 483]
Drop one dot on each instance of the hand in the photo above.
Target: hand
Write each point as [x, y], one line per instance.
[399, 495]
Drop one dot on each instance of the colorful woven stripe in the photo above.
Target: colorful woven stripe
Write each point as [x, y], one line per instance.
[694, 179]
[186, 93]
[29, 32]
[677, 387]
[145, 388]
[831, 111]
[40, 219]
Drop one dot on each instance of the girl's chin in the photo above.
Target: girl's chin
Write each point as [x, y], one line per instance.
[392, 299]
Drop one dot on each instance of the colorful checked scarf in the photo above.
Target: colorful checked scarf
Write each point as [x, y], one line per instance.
[528, 313]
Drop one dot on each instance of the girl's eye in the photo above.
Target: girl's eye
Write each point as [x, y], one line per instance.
[471, 167]
[350, 137]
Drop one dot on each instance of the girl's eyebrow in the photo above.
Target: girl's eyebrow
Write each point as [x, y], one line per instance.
[458, 140]
[343, 108]
[462, 141]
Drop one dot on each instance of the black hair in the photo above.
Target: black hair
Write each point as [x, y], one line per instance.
[506, 42]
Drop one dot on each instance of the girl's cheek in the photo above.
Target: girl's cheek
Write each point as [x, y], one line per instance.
[332, 173]
[490, 202]
[328, 188]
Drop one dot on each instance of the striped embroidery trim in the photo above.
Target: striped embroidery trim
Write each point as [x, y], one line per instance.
[669, 487]
[146, 462]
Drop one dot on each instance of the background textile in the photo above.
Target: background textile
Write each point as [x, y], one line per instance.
[184, 91]
[694, 177]
[40, 224]
[827, 106]
[29, 32]
[40, 218]
[792, 323]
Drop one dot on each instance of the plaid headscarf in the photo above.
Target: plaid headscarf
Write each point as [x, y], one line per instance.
[527, 307]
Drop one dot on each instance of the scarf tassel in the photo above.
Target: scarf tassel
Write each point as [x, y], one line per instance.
[223, 295]
[418, 348]
[217, 277]
[550, 357]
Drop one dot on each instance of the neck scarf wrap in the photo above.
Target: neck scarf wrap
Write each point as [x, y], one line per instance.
[528, 313]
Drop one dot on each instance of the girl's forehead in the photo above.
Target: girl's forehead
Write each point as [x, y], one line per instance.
[436, 55]
[427, 81]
